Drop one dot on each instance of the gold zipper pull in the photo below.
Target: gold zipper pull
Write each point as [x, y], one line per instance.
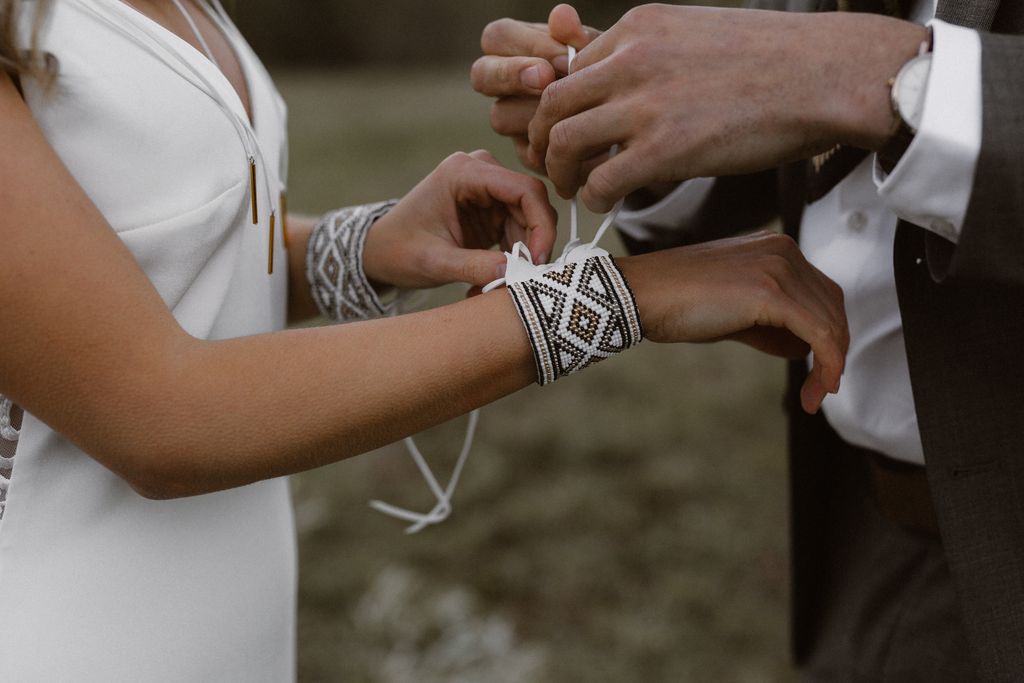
[270, 246]
[284, 218]
[252, 190]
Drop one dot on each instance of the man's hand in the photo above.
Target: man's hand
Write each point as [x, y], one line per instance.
[689, 91]
[520, 60]
[756, 289]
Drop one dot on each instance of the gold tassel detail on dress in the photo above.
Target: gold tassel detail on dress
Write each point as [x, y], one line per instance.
[284, 219]
[252, 190]
[270, 246]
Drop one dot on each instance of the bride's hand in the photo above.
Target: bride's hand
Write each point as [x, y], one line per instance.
[756, 289]
[443, 230]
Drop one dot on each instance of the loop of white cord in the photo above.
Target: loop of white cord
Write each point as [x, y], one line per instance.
[519, 250]
[519, 258]
[443, 507]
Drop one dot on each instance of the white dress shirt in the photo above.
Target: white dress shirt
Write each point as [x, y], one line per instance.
[849, 235]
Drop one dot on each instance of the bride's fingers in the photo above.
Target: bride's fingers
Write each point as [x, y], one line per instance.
[481, 181]
[514, 230]
[485, 156]
[512, 221]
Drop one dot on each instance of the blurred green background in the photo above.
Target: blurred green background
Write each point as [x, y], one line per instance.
[348, 33]
[627, 524]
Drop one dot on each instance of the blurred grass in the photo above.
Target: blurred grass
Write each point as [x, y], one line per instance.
[627, 524]
[347, 33]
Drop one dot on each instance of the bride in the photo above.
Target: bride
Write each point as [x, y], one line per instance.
[155, 401]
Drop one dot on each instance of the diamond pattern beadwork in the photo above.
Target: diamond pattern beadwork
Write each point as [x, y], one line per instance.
[577, 314]
[8, 443]
[334, 264]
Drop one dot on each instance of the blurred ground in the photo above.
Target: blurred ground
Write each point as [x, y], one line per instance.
[626, 525]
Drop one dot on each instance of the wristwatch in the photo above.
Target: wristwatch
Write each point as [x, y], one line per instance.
[907, 95]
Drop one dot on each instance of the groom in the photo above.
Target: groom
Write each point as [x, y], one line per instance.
[895, 153]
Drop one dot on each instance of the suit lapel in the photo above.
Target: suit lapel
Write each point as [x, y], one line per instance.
[977, 14]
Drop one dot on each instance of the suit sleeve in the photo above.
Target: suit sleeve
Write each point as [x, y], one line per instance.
[991, 243]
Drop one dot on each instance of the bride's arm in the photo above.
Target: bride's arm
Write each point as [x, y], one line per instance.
[442, 231]
[300, 300]
[90, 348]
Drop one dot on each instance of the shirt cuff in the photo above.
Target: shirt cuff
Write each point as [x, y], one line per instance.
[931, 185]
[673, 212]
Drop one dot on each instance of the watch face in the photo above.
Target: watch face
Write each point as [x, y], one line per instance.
[910, 88]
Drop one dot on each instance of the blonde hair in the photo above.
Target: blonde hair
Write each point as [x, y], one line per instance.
[19, 60]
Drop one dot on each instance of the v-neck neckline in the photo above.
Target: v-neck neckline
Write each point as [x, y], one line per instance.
[189, 51]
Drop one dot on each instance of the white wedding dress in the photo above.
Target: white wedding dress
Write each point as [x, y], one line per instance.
[96, 582]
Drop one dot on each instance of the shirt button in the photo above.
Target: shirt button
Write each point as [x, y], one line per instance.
[856, 221]
[944, 228]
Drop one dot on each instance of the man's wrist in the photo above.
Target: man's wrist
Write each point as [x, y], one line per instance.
[907, 97]
[868, 51]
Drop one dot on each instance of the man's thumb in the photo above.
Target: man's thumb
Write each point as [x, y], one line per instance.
[565, 26]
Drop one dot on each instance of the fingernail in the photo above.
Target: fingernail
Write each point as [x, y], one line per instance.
[543, 258]
[531, 77]
[561, 64]
[500, 270]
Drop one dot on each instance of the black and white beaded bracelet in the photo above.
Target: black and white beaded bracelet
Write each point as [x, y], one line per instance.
[578, 310]
[334, 263]
[576, 314]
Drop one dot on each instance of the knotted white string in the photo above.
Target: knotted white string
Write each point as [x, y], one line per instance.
[519, 267]
[443, 506]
